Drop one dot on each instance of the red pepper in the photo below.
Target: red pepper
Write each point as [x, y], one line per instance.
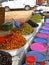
[2, 39]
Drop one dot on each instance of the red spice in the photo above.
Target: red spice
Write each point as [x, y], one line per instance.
[13, 41]
[2, 39]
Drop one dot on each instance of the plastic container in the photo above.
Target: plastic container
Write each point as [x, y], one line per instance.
[47, 20]
[40, 57]
[36, 64]
[7, 26]
[44, 31]
[41, 63]
[45, 28]
[46, 24]
[30, 60]
[39, 47]
[41, 40]
[42, 35]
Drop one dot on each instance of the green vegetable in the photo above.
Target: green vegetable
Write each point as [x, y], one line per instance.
[36, 18]
[25, 29]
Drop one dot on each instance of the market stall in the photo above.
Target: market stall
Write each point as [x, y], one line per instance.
[42, 55]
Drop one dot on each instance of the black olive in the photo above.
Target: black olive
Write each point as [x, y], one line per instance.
[33, 24]
[5, 58]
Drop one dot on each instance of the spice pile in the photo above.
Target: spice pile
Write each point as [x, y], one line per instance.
[12, 41]
[25, 29]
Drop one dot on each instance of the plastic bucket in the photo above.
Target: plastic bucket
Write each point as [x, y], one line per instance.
[42, 35]
[41, 40]
[40, 57]
[39, 47]
[30, 60]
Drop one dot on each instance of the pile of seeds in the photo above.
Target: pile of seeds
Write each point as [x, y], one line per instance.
[25, 29]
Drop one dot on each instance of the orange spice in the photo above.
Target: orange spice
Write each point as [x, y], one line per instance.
[13, 41]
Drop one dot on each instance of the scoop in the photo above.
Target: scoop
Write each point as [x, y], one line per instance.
[16, 24]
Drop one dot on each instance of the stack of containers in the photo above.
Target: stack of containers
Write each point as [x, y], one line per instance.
[40, 57]
[39, 46]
